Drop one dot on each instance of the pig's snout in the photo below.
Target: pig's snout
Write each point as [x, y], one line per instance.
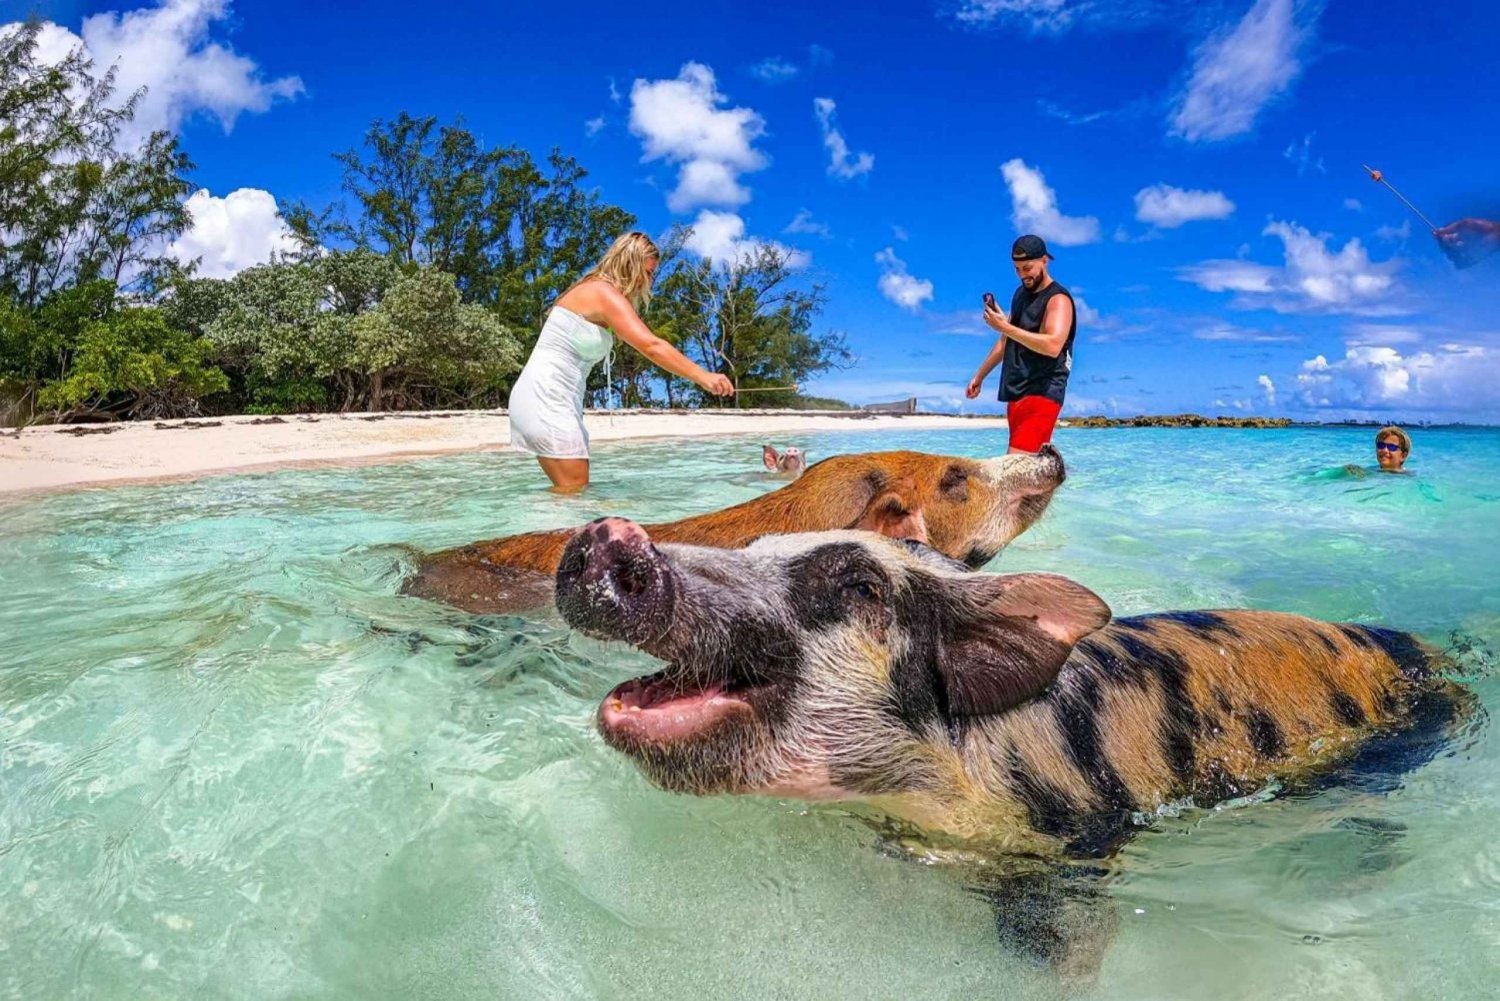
[1054, 457]
[613, 583]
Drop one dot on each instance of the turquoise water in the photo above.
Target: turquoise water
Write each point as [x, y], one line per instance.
[234, 763]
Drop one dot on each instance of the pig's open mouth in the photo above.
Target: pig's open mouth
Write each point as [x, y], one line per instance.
[671, 706]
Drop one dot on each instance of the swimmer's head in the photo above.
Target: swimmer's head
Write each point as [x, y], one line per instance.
[1392, 446]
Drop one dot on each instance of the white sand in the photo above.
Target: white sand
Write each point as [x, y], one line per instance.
[53, 457]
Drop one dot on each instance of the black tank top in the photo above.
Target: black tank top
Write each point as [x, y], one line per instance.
[1025, 372]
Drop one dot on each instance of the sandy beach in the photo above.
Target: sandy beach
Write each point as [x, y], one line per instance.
[62, 457]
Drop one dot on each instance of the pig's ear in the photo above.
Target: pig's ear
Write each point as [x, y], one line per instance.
[889, 515]
[1010, 645]
[768, 456]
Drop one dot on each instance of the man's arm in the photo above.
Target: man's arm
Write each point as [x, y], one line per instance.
[996, 355]
[1055, 326]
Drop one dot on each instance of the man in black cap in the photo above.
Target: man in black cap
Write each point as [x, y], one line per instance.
[1036, 345]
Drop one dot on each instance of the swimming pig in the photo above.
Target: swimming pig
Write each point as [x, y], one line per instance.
[966, 508]
[790, 463]
[1006, 711]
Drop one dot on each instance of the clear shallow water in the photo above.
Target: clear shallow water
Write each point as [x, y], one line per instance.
[234, 763]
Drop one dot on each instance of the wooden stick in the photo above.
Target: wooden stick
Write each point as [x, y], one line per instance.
[767, 389]
[1379, 178]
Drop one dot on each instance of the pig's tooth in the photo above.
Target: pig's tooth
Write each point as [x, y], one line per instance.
[635, 709]
[617, 705]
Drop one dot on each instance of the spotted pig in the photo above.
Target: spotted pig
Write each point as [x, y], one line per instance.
[1008, 708]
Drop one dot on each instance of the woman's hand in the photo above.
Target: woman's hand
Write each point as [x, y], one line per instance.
[974, 386]
[718, 385]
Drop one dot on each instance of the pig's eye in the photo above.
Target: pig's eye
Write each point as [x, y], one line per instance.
[863, 588]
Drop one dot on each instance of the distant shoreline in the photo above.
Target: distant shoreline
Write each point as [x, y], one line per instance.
[1198, 420]
[46, 458]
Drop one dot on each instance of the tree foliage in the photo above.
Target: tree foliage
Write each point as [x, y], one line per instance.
[348, 329]
[73, 206]
[751, 318]
[133, 363]
[514, 234]
[424, 286]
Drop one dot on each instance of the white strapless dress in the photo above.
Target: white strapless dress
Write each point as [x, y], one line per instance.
[546, 403]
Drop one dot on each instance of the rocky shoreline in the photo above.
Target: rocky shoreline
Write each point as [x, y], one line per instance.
[1178, 421]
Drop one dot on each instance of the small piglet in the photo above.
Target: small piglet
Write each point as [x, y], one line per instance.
[789, 463]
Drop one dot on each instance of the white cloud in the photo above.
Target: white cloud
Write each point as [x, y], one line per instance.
[720, 237]
[1314, 278]
[593, 126]
[1229, 332]
[1039, 15]
[1085, 314]
[840, 163]
[1383, 333]
[681, 121]
[1456, 379]
[1054, 110]
[1168, 207]
[897, 285]
[1353, 205]
[706, 182]
[1394, 234]
[1300, 154]
[1238, 71]
[774, 69]
[1231, 276]
[167, 49]
[817, 55]
[1034, 208]
[803, 222]
[1265, 383]
[962, 322]
[232, 233]
[989, 10]
[614, 92]
[900, 234]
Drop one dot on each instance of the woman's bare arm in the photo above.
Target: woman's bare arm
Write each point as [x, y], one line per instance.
[602, 303]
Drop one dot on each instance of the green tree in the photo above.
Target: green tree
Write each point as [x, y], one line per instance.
[423, 344]
[74, 207]
[751, 318]
[133, 363]
[350, 330]
[512, 234]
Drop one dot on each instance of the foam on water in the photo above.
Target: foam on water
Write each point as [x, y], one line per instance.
[235, 763]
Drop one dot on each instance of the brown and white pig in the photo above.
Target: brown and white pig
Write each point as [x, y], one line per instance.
[968, 509]
[1006, 710]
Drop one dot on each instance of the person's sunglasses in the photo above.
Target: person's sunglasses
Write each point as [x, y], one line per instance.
[1387, 446]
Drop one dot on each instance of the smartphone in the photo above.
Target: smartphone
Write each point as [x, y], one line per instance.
[989, 300]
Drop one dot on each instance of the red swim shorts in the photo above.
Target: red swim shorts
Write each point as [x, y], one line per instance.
[1031, 420]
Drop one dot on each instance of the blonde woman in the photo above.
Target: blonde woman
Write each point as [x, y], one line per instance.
[546, 405]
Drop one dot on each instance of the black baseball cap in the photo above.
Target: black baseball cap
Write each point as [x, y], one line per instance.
[1028, 248]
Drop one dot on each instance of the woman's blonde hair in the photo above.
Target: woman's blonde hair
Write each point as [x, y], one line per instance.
[624, 266]
[1392, 431]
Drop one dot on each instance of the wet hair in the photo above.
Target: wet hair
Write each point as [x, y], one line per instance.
[1392, 431]
[624, 266]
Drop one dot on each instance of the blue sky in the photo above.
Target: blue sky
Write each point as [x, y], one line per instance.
[1196, 167]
